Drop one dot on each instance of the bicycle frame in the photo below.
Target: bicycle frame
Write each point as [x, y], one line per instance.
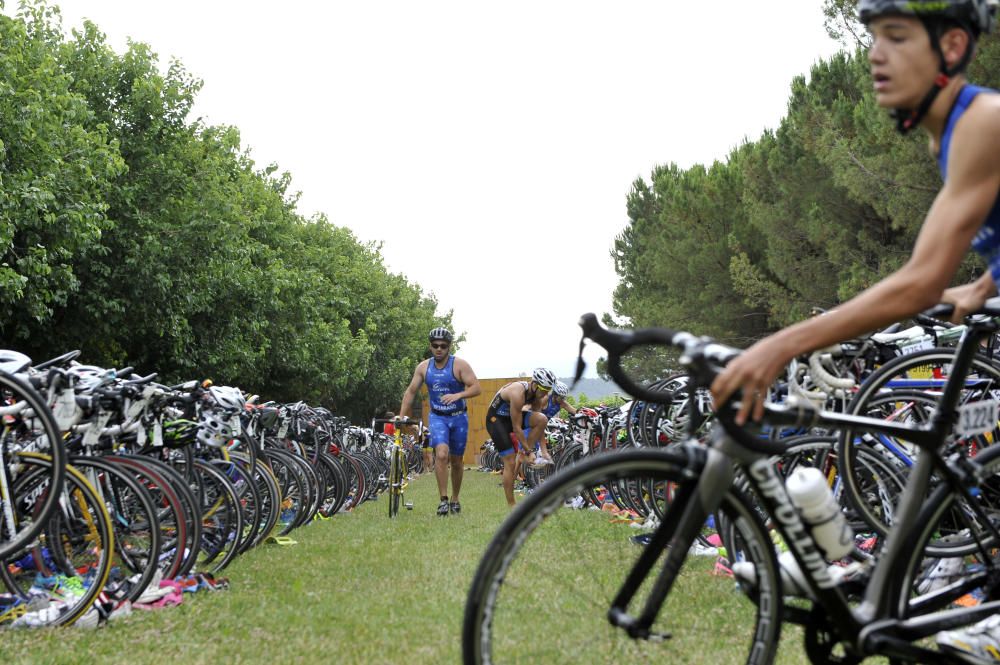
[873, 627]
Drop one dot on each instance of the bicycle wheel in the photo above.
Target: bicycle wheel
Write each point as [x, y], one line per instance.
[906, 389]
[291, 483]
[269, 497]
[248, 498]
[27, 425]
[183, 544]
[221, 517]
[508, 596]
[66, 567]
[953, 555]
[136, 525]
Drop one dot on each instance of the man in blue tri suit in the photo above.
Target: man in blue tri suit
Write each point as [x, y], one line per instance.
[450, 381]
[918, 55]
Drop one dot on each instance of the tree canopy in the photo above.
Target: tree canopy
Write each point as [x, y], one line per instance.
[147, 238]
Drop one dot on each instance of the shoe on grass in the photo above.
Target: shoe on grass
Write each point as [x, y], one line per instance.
[456, 507]
[443, 508]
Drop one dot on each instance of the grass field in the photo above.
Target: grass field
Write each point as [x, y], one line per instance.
[356, 589]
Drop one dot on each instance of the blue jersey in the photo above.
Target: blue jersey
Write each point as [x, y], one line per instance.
[987, 240]
[552, 408]
[442, 381]
[501, 407]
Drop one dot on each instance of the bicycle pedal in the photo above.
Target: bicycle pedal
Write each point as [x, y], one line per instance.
[409, 505]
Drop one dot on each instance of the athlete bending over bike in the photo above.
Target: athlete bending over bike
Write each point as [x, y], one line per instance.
[511, 399]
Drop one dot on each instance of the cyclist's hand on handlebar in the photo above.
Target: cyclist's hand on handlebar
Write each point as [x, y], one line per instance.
[966, 299]
[752, 372]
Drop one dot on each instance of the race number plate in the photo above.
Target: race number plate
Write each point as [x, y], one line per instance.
[977, 417]
[917, 346]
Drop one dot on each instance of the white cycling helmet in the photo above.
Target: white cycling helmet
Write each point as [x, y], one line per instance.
[13, 362]
[561, 389]
[216, 424]
[544, 377]
[227, 397]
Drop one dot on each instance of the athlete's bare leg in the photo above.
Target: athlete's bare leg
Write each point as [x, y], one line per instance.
[441, 467]
[509, 462]
[457, 469]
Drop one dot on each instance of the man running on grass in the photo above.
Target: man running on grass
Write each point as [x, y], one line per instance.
[450, 381]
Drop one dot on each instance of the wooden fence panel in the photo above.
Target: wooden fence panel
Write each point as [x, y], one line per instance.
[477, 408]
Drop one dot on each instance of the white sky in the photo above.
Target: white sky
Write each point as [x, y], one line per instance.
[487, 144]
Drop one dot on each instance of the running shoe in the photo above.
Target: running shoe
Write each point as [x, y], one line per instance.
[941, 574]
[456, 507]
[443, 508]
[980, 639]
[11, 608]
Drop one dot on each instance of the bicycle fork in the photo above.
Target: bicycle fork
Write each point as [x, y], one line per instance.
[675, 535]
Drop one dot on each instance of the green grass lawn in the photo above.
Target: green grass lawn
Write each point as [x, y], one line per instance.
[355, 589]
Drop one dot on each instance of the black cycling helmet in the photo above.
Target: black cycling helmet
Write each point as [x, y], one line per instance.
[976, 17]
[440, 333]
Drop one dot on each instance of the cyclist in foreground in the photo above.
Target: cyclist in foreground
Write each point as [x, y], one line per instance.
[450, 381]
[918, 55]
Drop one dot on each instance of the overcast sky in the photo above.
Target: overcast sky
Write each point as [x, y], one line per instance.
[489, 145]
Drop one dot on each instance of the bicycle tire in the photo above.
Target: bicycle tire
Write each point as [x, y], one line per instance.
[29, 425]
[937, 539]
[134, 519]
[506, 587]
[873, 389]
[175, 522]
[77, 540]
[221, 518]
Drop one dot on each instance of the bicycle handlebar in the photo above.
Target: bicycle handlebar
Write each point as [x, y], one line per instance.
[618, 342]
[402, 422]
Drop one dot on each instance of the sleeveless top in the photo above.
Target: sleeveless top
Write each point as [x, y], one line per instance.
[987, 240]
[500, 406]
[442, 382]
[552, 408]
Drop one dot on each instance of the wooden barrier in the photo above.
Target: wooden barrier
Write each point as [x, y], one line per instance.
[477, 407]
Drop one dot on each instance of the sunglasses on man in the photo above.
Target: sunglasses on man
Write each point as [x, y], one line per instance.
[443, 345]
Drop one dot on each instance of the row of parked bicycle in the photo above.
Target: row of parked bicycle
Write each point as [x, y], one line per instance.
[896, 374]
[111, 482]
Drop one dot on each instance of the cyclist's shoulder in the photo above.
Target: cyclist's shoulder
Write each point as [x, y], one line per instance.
[976, 137]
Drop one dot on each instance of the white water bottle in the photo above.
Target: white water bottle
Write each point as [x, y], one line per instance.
[808, 489]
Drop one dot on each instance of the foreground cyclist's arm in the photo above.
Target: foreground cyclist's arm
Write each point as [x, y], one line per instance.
[411, 390]
[956, 215]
